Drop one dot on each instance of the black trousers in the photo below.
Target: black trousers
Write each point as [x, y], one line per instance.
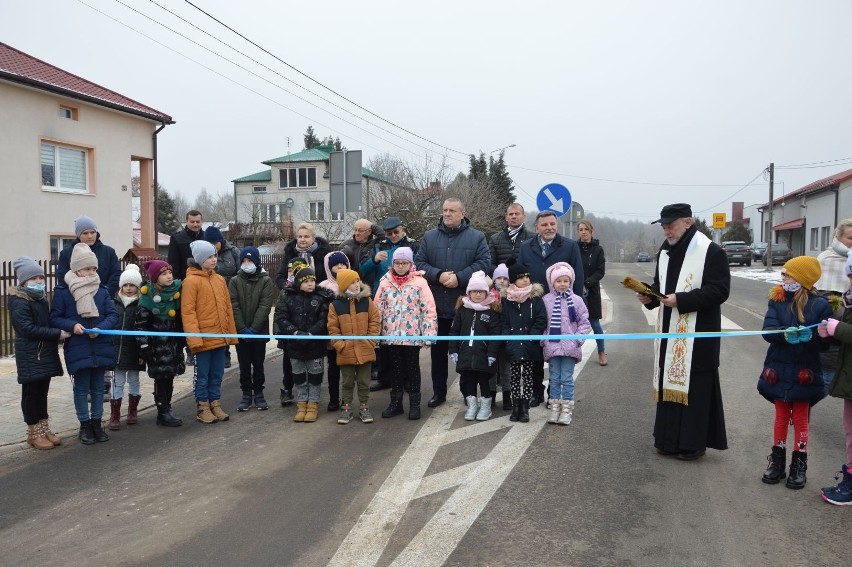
[441, 360]
[538, 378]
[333, 377]
[471, 379]
[287, 379]
[250, 356]
[403, 367]
[34, 400]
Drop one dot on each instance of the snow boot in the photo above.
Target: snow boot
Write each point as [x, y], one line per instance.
[567, 413]
[204, 414]
[301, 410]
[395, 405]
[484, 413]
[553, 416]
[216, 409]
[311, 412]
[413, 405]
[472, 408]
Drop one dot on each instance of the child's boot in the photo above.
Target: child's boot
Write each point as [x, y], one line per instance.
[777, 466]
[301, 410]
[50, 435]
[98, 431]
[553, 416]
[114, 415]
[493, 399]
[798, 465]
[245, 402]
[567, 412]
[524, 412]
[345, 414]
[484, 413]
[516, 410]
[472, 408]
[507, 400]
[163, 390]
[260, 402]
[204, 414]
[311, 412]
[364, 414]
[86, 435]
[395, 405]
[216, 408]
[413, 405]
[840, 495]
[36, 438]
[133, 409]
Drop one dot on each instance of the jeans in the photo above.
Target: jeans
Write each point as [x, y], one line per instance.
[598, 330]
[827, 377]
[562, 378]
[208, 374]
[89, 383]
[119, 378]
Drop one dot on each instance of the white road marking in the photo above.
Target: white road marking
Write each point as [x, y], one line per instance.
[651, 317]
[476, 483]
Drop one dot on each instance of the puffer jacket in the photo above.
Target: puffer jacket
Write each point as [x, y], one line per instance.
[502, 247]
[473, 355]
[573, 347]
[407, 309]
[81, 351]
[109, 269]
[206, 308]
[163, 355]
[462, 250]
[300, 313]
[126, 346]
[251, 300]
[841, 385]
[36, 343]
[228, 261]
[527, 318]
[788, 361]
[354, 316]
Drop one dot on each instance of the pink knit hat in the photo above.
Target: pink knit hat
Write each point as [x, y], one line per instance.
[478, 282]
[558, 270]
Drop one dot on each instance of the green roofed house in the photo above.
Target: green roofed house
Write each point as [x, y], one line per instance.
[294, 189]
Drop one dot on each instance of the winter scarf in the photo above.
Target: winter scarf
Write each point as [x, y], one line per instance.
[677, 364]
[518, 294]
[37, 295]
[162, 302]
[307, 253]
[513, 234]
[556, 313]
[127, 300]
[83, 290]
[399, 280]
[484, 306]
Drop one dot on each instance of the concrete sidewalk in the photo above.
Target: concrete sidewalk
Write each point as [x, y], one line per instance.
[60, 401]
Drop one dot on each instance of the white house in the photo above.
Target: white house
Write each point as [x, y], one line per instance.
[68, 146]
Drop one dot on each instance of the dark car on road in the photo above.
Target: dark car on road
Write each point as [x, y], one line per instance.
[738, 252]
[758, 250]
[643, 257]
[780, 254]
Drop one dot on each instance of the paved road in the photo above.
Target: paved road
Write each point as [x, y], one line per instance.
[262, 490]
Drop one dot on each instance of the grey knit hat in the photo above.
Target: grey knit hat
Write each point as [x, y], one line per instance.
[84, 223]
[201, 250]
[26, 268]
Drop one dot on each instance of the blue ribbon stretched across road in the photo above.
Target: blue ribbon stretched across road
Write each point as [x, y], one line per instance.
[590, 336]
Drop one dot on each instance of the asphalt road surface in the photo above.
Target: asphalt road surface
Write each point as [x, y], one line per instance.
[263, 490]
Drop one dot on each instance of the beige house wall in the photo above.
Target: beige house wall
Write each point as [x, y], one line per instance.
[29, 213]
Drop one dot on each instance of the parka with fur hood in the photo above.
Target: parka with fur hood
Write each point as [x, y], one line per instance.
[525, 318]
[473, 355]
[206, 308]
[356, 315]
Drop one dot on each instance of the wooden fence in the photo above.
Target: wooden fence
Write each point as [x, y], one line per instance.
[8, 281]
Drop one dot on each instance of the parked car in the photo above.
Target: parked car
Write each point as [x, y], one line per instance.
[758, 250]
[738, 252]
[643, 257]
[780, 254]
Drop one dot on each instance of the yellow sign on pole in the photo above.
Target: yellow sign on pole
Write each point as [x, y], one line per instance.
[719, 220]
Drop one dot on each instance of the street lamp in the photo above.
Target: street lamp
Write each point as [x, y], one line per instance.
[501, 149]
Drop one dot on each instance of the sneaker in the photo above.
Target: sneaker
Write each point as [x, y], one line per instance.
[364, 414]
[840, 495]
[260, 402]
[286, 397]
[245, 403]
[345, 415]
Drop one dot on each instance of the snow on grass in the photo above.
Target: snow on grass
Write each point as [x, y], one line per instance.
[759, 273]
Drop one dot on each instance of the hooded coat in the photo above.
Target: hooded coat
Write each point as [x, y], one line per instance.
[251, 300]
[126, 346]
[527, 318]
[594, 269]
[109, 268]
[354, 316]
[82, 351]
[36, 342]
[473, 355]
[407, 309]
[300, 313]
[566, 347]
[206, 308]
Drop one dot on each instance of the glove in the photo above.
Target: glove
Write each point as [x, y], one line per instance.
[806, 376]
[805, 334]
[247, 331]
[827, 328]
[491, 360]
[770, 376]
[455, 357]
[791, 335]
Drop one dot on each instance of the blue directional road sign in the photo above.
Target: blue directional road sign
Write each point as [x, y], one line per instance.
[554, 197]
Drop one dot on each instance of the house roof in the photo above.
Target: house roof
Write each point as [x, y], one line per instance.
[318, 153]
[18, 67]
[790, 225]
[162, 239]
[259, 176]
[816, 186]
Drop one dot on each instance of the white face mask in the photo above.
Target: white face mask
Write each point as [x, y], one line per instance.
[791, 287]
[248, 268]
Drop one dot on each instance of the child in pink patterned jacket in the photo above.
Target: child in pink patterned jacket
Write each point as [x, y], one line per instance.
[408, 309]
[566, 315]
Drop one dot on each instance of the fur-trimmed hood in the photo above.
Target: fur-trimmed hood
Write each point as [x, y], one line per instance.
[537, 291]
[365, 292]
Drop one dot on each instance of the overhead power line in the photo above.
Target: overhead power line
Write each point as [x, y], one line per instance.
[734, 194]
[827, 163]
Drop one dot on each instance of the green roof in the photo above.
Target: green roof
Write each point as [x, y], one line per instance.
[320, 153]
[259, 176]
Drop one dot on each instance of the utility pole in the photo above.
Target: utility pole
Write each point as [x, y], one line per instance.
[768, 252]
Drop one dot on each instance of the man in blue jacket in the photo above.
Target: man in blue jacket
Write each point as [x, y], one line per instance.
[449, 254]
[539, 253]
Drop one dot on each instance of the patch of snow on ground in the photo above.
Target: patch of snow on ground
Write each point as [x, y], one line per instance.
[759, 273]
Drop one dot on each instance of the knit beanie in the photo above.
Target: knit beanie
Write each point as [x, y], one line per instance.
[403, 253]
[130, 275]
[304, 274]
[82, 257]
[84, 223]
[345, 278]
[803, 269]
[153, 268]
[335, 258]
[477, 282]
[26, 268]
[516, 271]
[213, 235]
[558, 270]
[201, 250]
[294, 264]
[501, 271]
[252, 254]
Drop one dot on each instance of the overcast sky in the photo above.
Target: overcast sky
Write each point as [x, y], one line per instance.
[667, 94]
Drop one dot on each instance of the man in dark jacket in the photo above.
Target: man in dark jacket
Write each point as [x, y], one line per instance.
[506, 244]
[357, 248]
[109, 270]
[449, 255]
[179, 251]
[693, 303]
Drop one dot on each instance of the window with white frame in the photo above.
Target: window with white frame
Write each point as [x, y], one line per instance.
[826, 237]
[272, 212]
[296, 177]
[338, 216]
[815, 238]
[317, 210]
[68, 112]
[258, 189]
[64, 167]
[258, 212]
[57, 244]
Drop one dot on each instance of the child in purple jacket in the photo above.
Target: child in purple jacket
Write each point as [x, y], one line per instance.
[566, 315]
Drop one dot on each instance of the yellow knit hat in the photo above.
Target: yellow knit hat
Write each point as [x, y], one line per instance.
[345, 278]
[803, 269]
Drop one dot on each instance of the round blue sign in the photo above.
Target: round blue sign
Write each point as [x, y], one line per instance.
[555, 198]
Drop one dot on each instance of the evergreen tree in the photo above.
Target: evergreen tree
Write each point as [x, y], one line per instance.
[168, 218]
[737, 231]
[311, 140]
[338, 145]
[499, 181]
[478, 168]
[701, 224]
